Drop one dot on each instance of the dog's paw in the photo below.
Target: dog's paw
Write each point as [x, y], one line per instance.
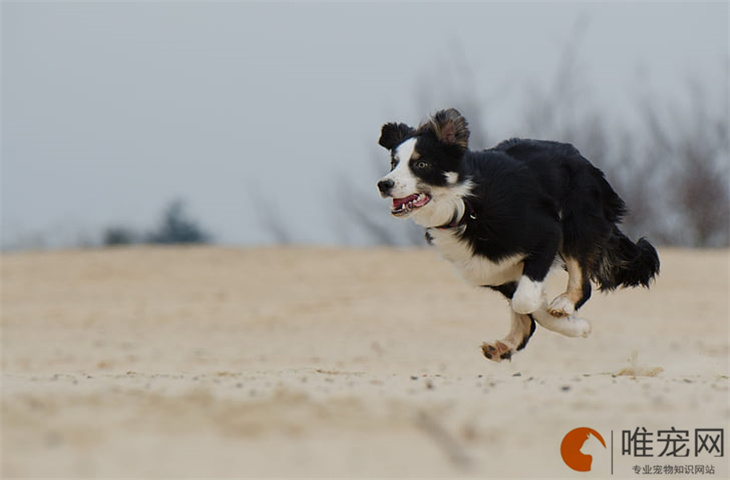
[577, 327]
[528, 297]
[497, 351]
[561, 307]
[570, 326]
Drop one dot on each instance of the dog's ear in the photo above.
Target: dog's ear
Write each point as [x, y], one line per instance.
[393, 134]
[450, 127]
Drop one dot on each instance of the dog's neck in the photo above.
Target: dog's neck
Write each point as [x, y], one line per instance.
[461, 216]
[451, 213]
[449, 206]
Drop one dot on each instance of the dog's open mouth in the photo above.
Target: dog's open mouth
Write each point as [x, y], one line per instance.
[407, 204]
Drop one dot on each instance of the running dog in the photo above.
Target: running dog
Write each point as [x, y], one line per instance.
[505, 216]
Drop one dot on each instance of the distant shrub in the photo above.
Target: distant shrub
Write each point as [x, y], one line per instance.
[175, 226]
[117, 235]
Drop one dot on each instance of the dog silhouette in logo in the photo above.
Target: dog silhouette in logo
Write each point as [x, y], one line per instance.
[573, 445]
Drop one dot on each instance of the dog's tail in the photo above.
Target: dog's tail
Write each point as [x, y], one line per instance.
[624, 263]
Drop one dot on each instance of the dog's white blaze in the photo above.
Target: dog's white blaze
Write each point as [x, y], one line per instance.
[529, 296]
[404, 151]
[475, 269]
[404, 180]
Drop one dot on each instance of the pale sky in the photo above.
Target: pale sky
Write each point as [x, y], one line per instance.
[110, 110]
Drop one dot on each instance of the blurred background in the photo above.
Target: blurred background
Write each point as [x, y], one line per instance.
[246, 123]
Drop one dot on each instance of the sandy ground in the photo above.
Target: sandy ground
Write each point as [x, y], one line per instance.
[222, 362]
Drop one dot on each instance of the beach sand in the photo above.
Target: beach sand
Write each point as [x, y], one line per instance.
[318, 362]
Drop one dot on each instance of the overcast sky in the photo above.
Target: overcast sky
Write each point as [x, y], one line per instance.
[110, 110]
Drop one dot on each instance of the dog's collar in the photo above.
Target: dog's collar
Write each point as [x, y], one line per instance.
[468, 215]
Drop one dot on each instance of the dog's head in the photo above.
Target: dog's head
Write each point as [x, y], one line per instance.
[426, 179]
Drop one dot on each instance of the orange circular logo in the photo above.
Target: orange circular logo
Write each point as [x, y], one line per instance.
[572, 445]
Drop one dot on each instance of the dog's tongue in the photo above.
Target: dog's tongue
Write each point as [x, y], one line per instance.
[399, 202]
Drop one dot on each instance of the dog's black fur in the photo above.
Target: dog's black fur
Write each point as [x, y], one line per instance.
[538, 197]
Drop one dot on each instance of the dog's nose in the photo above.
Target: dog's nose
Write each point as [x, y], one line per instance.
[385, 185]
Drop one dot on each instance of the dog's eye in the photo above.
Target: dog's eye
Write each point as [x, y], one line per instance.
[421, 165]
[393, 163]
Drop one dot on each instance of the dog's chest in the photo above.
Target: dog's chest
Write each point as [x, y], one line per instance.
[475, 269]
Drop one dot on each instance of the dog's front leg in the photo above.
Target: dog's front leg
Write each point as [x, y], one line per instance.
[530, 293]
[522, 328]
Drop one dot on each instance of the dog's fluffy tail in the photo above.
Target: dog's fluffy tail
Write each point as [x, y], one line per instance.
[624, 263]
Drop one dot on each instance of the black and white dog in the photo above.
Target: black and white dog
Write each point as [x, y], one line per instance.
[504, 216]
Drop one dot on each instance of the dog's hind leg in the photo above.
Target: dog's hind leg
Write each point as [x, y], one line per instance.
[523, 326]
[575, 295]
[570, 326]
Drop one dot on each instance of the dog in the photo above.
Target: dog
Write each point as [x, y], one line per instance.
[505, 216]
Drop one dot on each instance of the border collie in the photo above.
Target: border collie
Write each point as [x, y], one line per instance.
[504, 216]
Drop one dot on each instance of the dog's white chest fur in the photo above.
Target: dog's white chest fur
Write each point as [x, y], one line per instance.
[475, 269]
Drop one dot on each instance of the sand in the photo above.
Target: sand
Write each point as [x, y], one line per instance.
[315, 362]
